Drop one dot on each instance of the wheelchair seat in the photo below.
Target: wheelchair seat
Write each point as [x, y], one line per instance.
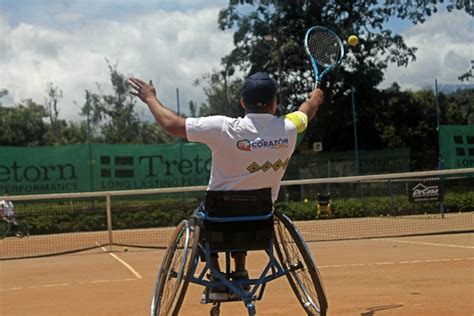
[237, 220]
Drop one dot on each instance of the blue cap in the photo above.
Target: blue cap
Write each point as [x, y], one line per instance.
[259, 90]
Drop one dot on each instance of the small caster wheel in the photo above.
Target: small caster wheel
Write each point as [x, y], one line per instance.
[215, 310]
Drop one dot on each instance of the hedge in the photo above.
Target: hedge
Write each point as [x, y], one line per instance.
[81, 216]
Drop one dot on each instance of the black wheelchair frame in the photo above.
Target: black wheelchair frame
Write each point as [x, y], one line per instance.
[208, 231]
[8, 226]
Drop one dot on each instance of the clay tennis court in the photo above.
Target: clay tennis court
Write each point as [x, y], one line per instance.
[423, 275]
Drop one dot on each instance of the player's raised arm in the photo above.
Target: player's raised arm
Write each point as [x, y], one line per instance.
[311, 105]
[170, 121]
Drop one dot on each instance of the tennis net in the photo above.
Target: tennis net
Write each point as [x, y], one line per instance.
[385, 205]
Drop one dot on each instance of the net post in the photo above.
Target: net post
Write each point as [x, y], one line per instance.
[390, 191]
[109, 219]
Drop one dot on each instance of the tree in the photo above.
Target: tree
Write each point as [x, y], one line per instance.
[223, 98]
[468, 75]
[23, 124]
[111, 118]
[53, 95]
[113, 113]
[59, 132]
[459, 107]
[285, 22]
[152, 133]
[3, 93]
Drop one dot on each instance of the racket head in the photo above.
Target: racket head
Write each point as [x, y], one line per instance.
[324, 49]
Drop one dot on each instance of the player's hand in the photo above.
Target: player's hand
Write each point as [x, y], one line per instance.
[145, 91]
[316, 96]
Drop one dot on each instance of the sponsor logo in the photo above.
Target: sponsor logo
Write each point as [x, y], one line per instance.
[244, 145]
[277, 165]
[425, 193]
[258, 143]
[118, 167]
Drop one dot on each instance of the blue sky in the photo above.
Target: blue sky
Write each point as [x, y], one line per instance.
[173, 42]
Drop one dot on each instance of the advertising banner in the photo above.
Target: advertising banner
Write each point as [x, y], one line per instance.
[101, 167]
[457, 146]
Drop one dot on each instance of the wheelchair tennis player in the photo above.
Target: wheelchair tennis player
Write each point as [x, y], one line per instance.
[248, 153]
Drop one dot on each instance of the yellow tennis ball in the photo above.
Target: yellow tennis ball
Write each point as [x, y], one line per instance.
[306, 200]
[125, 248]
[353, 40]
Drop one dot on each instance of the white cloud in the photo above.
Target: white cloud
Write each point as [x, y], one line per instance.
[66, 43]
[445, 49]
[171, 48]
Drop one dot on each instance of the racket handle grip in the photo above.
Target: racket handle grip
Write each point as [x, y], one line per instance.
[317, 84]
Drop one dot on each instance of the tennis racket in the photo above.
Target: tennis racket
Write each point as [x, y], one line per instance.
[324, 49]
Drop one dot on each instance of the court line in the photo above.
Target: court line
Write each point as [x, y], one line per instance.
[129, 267]
[428, 243]
[392, 263]
[62, 284]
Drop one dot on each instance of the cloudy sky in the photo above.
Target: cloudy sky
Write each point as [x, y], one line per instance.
[172, 42]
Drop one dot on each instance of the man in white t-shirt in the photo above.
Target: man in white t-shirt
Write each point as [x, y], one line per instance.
[8, 213]
[247, 153]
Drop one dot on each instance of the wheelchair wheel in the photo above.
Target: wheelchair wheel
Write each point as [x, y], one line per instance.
[4, 228]
[303, 274]
[21, 231]
[176, 268]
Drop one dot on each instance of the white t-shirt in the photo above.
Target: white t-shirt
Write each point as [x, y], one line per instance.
[248, 153]
[7, 208]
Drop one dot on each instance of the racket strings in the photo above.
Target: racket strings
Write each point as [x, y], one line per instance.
[324, 47]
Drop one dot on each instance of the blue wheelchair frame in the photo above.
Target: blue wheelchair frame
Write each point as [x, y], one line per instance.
[228, 226]
[236, 286]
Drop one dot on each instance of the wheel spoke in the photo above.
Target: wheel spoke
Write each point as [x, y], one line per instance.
[173, 279]
[302, 272]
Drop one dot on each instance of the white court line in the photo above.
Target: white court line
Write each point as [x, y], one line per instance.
[392, 263]
[62, 284]
[129, 267]
[108, 281]
[428, 243]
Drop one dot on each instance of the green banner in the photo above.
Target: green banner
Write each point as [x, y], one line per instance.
[457, 146]
[98, 167]
[102, 167]
[32, 170]
[124, 167]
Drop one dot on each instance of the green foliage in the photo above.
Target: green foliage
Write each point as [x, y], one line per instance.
[114, 113]
[223, 97]
[22, 125]
[268, 36]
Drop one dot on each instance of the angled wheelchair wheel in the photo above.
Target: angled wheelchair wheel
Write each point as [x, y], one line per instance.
[4, 228]
[176, 268]
[21, 231]
[303, 274]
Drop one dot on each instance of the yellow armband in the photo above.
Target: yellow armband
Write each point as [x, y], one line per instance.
[299, 119]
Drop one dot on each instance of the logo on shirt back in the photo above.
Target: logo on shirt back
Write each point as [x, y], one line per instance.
[244, 145]
[259, 143]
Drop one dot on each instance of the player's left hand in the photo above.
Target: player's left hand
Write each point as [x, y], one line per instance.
[145, 91]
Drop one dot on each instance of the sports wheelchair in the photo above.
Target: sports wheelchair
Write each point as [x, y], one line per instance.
[10, 226]
[233, 221]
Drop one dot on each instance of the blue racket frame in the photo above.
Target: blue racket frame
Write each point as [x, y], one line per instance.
[314, 62]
